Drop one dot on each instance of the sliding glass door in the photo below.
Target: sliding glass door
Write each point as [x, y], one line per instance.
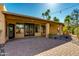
[29, 29]
[26, 30]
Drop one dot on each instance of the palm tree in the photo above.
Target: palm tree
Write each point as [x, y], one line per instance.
[55, 19]
[43, 15]
[48, 10]
[67, 20]
[49, 17]
[75, 18]
[46, 14]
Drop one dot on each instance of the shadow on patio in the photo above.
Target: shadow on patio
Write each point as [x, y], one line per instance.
[33, 46]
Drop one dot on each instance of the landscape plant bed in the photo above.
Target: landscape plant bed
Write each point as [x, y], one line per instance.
[52, 35]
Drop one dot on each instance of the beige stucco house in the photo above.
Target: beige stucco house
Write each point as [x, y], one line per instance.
[14, 25]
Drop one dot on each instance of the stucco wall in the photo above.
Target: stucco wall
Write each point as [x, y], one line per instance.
[1, 7]
[53, 28]
[2, 29]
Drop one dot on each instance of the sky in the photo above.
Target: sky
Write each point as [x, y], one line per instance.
[59, 10]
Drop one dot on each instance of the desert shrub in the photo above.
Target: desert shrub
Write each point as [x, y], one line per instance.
[65, 29]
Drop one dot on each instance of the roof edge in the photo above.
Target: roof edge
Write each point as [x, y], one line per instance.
[11, 13]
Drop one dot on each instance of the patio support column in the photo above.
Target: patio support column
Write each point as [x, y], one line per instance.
[2, 29]
[47, 30]
[40, 30]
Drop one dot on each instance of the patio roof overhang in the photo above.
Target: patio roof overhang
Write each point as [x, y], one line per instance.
[31, 17]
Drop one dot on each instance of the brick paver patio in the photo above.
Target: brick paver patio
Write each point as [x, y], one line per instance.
[42, 47]
[35, 46]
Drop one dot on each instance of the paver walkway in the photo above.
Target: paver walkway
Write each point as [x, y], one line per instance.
[67, 49]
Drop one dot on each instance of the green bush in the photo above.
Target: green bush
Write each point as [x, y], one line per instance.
[65, 29]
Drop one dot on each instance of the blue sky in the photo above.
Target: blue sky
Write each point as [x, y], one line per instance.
[36, 9]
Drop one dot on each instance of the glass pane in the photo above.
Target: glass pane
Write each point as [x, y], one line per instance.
[19, 28]
[26, 29]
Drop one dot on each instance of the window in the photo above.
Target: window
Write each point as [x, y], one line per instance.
[36, 28]
[19, 28]
[43, 28]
